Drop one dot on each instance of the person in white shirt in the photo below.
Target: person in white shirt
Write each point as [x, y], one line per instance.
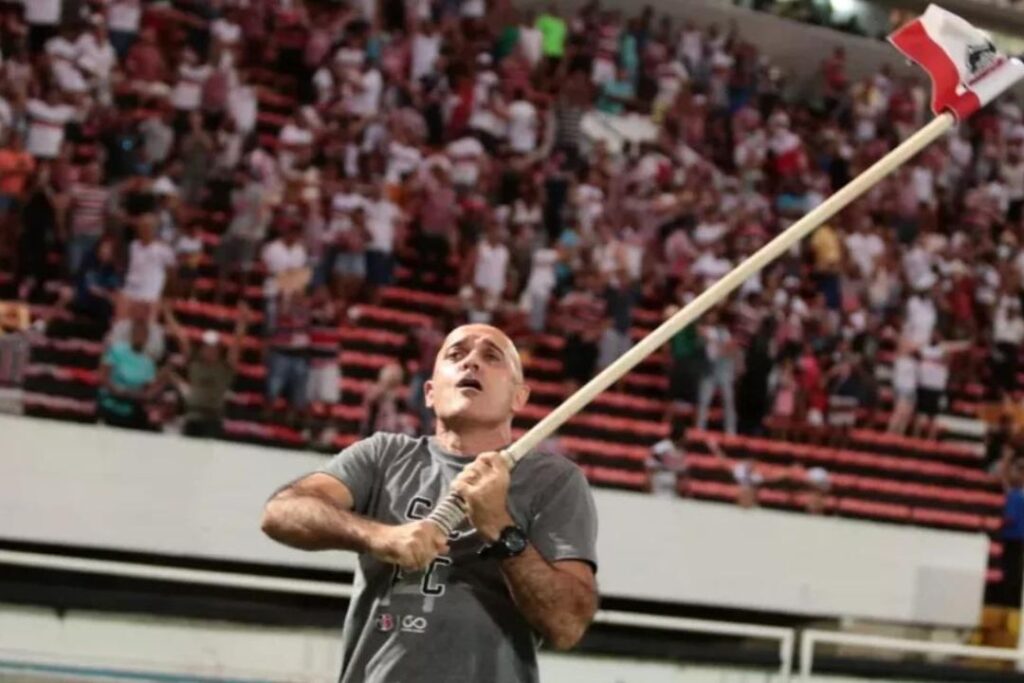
[46, 123]
[523, 125]
[365, 90]
[96, 56]
[63, 53]
[865, 246]
[150, 262]
[921, 315]
[467, 156]
[666, 464]
[383, 220]
[904, 387]
[932, 378]
[530, 40]
[711, 265]
[490, 266]
[284, 258]
[539, 285]
[426, 48]
[295, 140]
[187, 94]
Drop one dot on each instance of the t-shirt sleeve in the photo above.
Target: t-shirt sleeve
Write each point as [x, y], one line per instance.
[564, 527]
[358, 468]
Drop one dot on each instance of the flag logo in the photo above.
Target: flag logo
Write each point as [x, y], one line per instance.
[981, 56]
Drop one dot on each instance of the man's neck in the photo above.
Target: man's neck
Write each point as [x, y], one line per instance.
[472, 441]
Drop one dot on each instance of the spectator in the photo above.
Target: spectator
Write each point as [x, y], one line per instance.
[753, 402]
[43, 18]
[383, 405]
[40, 227]
[749, 479]
[209, 373]
[1012, 533]
[489, 262]
[97, 284]
[818, 484]
[554, 32]
[150, 264]
[621, 296]
[350, 258]
[1007, 335]
[385, 222]
[124, 18]
[932, 379]
[139, 314]
[666, 464]
[87, 216]
[288, 357]
[246, 231]
[47, 121]
[324, 382]
[284, 260]
[16, 168]
[188, 250]
[584, 317]
[425, 343]
[904, 385]
[720, 372]
[127, 381]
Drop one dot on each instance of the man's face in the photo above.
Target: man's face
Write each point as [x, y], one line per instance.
[477, 378]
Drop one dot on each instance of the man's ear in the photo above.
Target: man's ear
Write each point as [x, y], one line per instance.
[428, 393]
[521, 397]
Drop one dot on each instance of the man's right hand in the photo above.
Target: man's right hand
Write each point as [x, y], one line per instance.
[411, 546]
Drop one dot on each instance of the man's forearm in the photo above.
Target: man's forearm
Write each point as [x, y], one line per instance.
[309, 521]
[556, 603]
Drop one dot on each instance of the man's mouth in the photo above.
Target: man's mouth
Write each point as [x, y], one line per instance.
[469, 383]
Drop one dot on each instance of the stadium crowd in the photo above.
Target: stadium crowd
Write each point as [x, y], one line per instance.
[455, 137]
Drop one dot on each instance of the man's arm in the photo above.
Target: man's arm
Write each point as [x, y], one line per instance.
[315, 513]
[558, 599]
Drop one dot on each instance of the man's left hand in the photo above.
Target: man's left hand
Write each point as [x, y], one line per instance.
[483, 484]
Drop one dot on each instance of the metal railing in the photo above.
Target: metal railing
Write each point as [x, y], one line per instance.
[785, 637]
[811, 637]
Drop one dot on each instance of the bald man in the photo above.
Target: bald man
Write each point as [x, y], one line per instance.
[469, 608]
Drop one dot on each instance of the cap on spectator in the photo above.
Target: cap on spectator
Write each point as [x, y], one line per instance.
[164, 187]
[211, 337]
[818, 477]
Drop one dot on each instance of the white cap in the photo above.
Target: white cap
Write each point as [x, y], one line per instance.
[211, 337]
[818, 476]
[164, 186]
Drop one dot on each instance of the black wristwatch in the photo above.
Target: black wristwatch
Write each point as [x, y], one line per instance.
[511, 542]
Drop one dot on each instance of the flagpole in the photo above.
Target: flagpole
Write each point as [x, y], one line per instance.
[449, 513]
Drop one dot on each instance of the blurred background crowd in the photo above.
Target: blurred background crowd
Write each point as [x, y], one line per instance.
[555, 171]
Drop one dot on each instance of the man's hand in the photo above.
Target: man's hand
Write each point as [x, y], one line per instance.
[411, 546]
[483, 484]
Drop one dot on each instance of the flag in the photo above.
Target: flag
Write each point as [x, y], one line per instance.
[966, 69]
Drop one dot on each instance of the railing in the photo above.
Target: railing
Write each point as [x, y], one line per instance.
[810, 637]
[785, 637]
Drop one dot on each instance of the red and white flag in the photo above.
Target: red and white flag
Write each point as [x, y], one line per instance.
[967, 71]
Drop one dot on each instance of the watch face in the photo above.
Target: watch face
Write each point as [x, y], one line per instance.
[514, 539]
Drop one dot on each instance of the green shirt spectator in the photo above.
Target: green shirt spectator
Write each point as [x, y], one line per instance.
[553, 30]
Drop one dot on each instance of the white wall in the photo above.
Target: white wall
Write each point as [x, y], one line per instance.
[118, 644]
[100, 487]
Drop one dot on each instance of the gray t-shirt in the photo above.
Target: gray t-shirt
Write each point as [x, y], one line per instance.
[454, 622]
